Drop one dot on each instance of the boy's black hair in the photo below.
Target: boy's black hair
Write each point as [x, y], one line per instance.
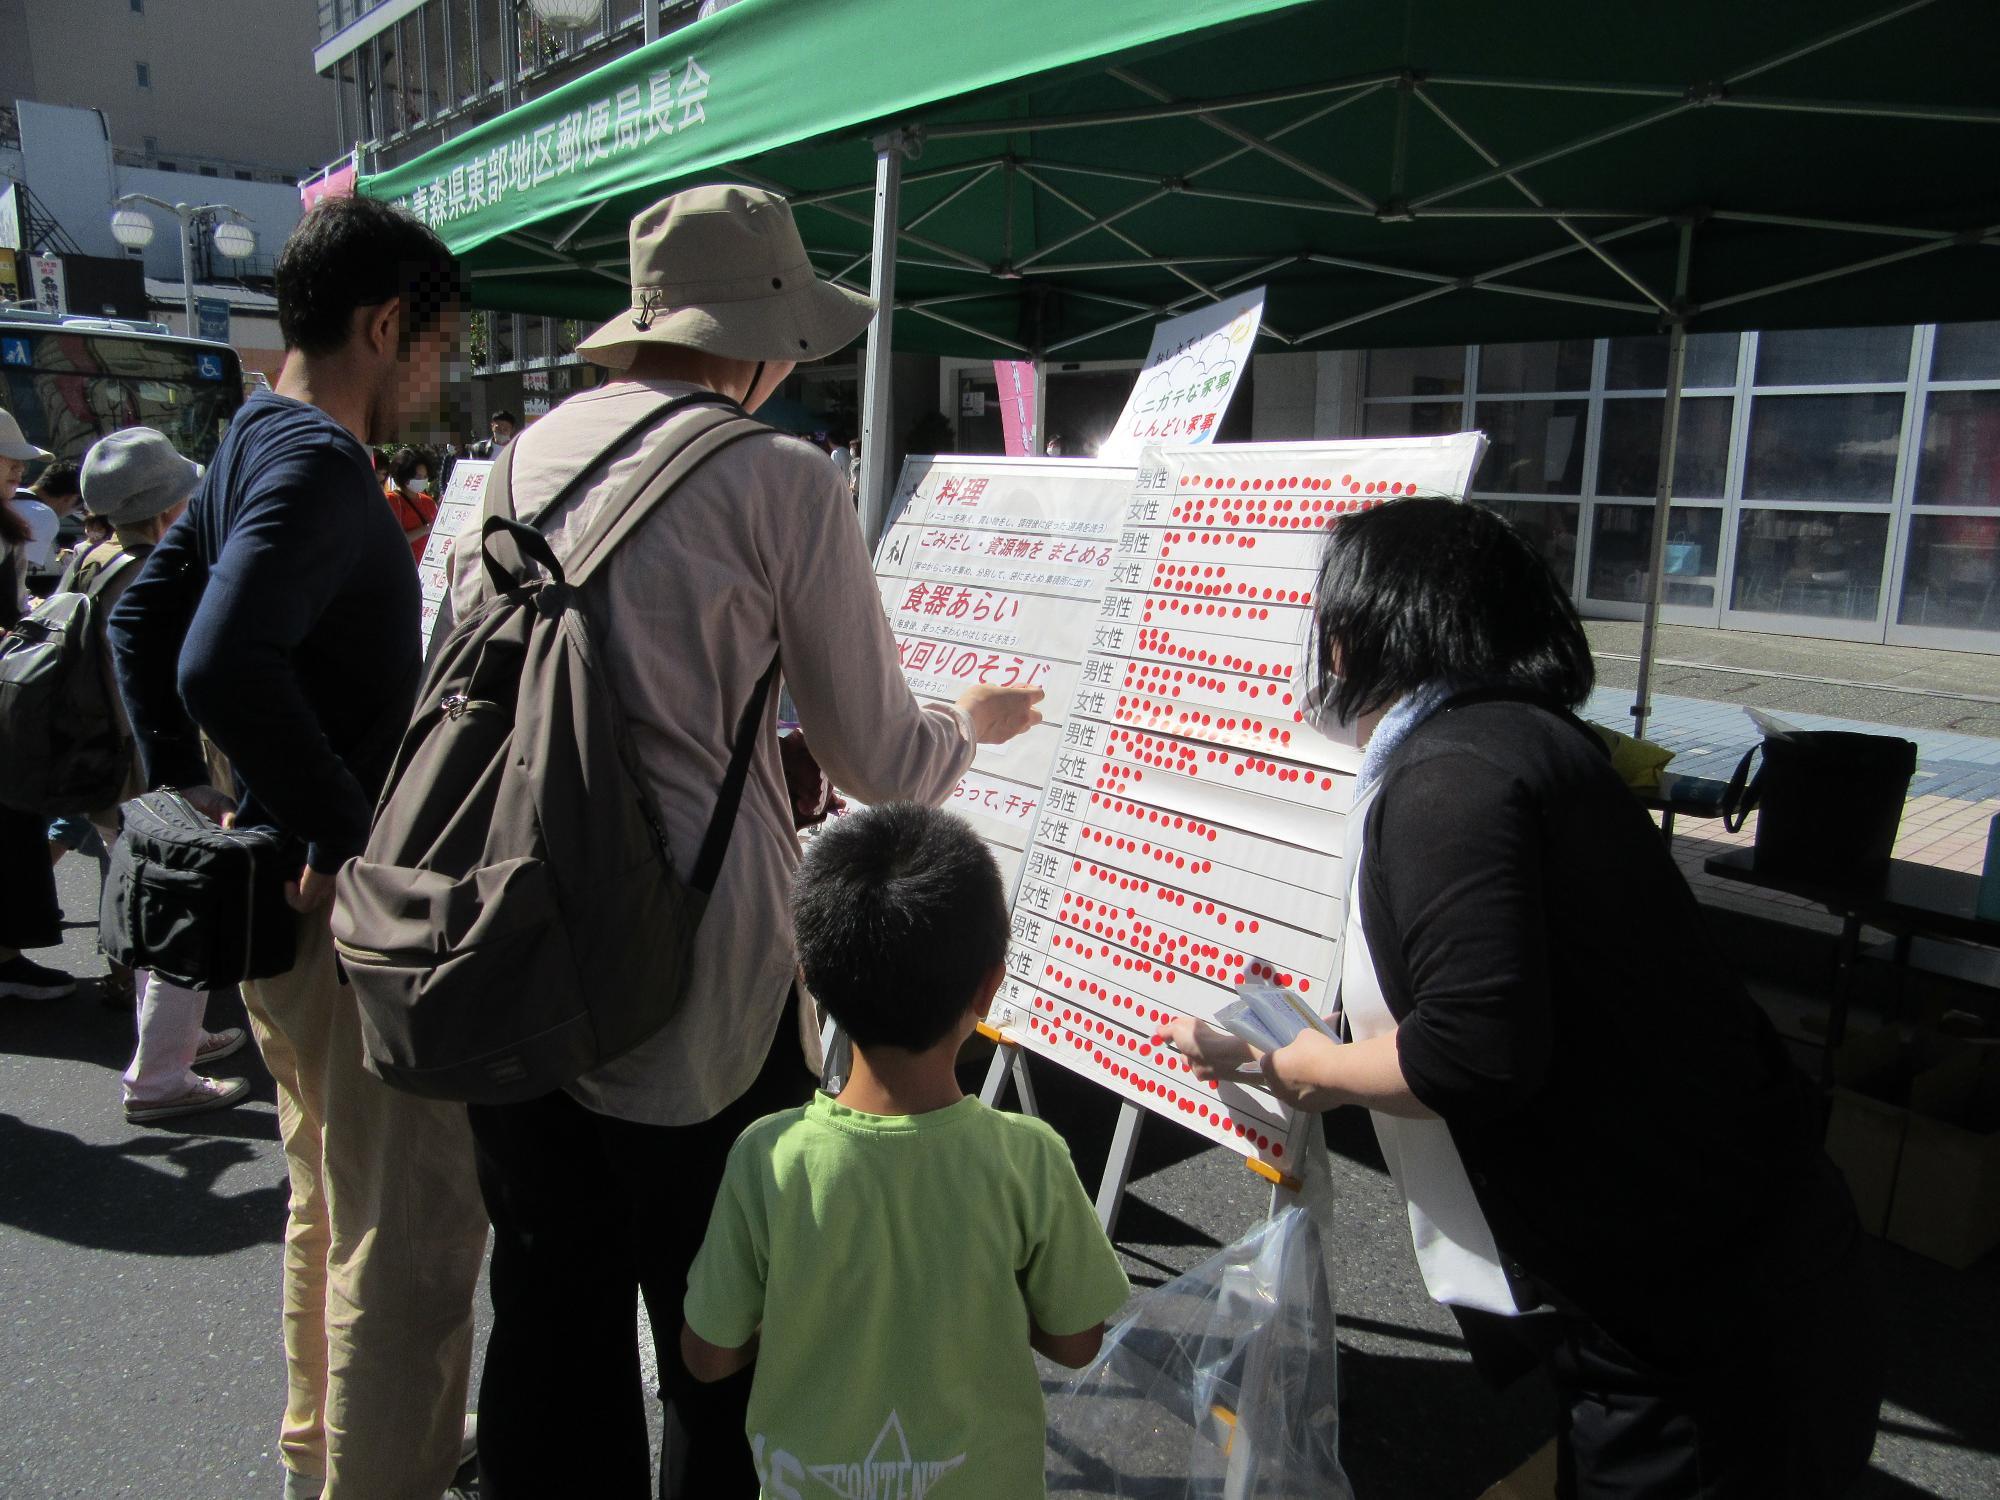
[1431, 590]
[901, 918]
[357, 252]
[504, 415]
[62, 477]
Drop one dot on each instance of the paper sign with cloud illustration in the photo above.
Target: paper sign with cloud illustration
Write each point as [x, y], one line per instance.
[1194, 367]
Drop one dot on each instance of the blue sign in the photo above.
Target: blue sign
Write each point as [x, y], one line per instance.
[208, 367]
[16, 352]
[211, 316]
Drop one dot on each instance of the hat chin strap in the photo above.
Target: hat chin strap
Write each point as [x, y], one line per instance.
[756, 379]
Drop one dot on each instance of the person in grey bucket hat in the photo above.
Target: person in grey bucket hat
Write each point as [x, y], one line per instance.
[136, 479]
[135, 474]
[604, 1191]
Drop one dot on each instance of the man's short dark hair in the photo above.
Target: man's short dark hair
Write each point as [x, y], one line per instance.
[503, 416]
[901, 919]
[1431, 590]
[58, 479]
[357, 252]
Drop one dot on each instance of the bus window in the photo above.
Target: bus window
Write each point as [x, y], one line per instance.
[68, 387]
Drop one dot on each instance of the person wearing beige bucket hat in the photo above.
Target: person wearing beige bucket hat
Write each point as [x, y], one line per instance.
[604, 1191]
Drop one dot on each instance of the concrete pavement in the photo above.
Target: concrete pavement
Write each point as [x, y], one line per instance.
[139, 1354]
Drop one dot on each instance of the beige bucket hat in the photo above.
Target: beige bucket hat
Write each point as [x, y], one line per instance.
[722, 269]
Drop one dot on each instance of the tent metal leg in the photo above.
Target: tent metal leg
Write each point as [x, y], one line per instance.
[1663, 489]
[1038, 440]
[877, 410]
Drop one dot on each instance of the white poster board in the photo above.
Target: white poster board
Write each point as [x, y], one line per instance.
[1191, 372]
[994, 571]
[464, 495]
[1193, 827]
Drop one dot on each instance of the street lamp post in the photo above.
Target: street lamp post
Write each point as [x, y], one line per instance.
[132, 227]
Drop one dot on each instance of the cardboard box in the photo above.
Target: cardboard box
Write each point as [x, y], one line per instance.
[1947, 1195]
[1868, 1121]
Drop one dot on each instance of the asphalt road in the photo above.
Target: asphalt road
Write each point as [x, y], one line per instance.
[139, 1273]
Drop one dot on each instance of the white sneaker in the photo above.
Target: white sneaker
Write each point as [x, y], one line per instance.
[202, 1096]
[216, 1045]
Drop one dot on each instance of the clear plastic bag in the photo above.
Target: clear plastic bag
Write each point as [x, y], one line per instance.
[1222, 1384]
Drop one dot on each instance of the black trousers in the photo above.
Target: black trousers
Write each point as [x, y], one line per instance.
[1788, 1414]
[30, 915]
[589, 1212]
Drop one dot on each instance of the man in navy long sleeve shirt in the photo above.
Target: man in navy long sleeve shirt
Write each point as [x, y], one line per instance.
[281, 617]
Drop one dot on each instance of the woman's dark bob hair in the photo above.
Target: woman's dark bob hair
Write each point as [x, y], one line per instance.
[1430, 590]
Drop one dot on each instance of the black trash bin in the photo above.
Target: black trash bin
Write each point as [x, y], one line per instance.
[1828, 802]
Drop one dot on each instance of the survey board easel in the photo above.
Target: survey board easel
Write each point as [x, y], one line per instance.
[1185, 820]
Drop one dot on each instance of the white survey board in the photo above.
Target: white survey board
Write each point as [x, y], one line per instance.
[992, 572]
[1187, 823]
[464, 498]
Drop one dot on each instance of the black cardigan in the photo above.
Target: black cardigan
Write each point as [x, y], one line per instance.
[1642, 1147]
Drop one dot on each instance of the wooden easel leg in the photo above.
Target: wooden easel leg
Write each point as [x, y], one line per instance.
[1118, 1166]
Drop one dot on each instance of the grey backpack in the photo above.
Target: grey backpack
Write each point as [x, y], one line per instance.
[516, 919]
[63, 745]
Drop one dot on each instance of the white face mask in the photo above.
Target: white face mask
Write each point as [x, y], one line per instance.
[418, 486]
[1321, 717]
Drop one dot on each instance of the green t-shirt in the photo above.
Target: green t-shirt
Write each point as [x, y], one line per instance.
[892, 1262]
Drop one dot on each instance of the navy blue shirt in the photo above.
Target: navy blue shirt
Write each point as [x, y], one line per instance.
[281, 615]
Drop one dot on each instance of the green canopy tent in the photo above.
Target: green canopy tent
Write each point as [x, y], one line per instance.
[1055, 176]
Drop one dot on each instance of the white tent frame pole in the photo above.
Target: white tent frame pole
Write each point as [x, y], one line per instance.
[1253, 142]
[1663, 487]
[877, 405]
[943, 203]
[1514, 181]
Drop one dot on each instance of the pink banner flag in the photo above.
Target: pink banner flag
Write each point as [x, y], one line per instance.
[336, 183]
[1017, 404]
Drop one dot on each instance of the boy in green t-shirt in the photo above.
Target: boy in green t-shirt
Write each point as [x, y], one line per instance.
[889, 1258]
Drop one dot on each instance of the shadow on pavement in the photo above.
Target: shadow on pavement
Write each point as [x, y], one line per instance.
[153, 1194]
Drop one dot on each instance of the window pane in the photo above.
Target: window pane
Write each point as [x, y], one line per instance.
[1629, 460]
[1966, 351]
[1833, 356]
[1960, 460]
[1561, 365]
[1951, 576]
[1823, 447]
[1809, 562]
[1621, 538]
[1535, 447]
[1412, 418]
[1550, 528]
[1417, 372]
[1640, 364]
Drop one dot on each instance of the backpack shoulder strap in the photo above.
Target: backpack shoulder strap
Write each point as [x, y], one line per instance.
[701, 437]
[722, 822]
[503, 544]
[101, 573]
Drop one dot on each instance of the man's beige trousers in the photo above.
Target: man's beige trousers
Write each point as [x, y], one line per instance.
[382, 1249]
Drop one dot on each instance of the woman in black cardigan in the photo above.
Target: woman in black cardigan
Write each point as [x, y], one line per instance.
[1611, 1164]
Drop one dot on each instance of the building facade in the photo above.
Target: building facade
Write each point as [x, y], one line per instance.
[1838, 482]
[209, 88]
